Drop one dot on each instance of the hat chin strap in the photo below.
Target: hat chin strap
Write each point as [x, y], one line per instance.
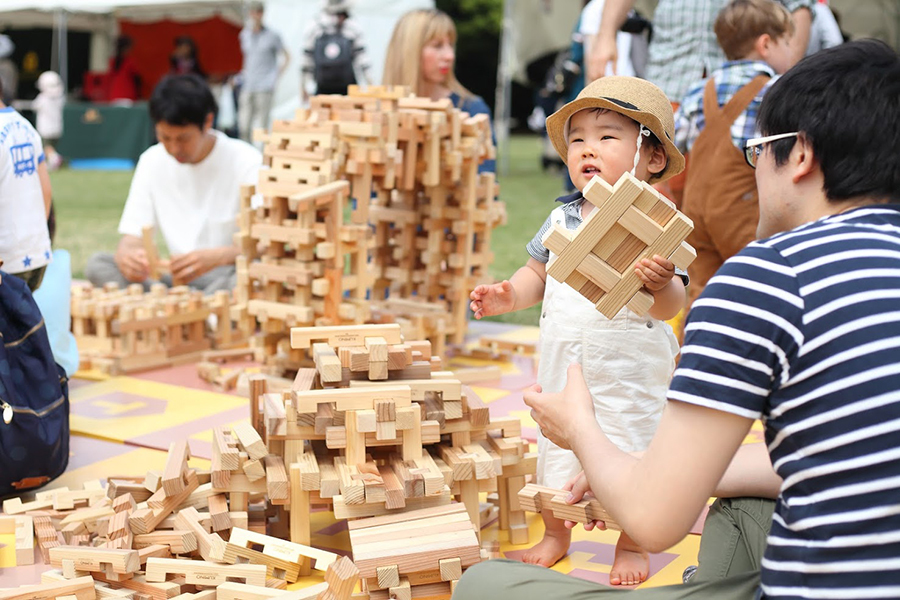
[644, 132]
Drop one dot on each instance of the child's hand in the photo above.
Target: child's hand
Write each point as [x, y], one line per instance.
[496, 299]
[655, 273]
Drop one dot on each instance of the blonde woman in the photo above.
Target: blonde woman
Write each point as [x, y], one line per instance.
[421, 55]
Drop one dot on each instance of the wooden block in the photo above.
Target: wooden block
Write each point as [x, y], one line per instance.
[352, 399]
[535, 498]
[282, 549]
[210, 546]
[327, 362]
[451, 569]
[347, 335]
[218, 512]
[82, 588]
[254, 469]
[179, 541]
[203, 572]
[402, 591]
[341, 578]
[276, 480]
[378, 370]
[96, 559]
[388, 576]
[250, 440]
[146, 520]
[176, 465]
[385, 410]
[377, 348]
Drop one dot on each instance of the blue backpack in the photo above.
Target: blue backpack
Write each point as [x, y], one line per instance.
[34, 395]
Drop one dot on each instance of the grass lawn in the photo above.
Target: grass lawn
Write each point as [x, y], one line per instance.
[89, 204]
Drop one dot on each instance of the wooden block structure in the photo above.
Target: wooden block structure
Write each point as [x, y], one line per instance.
[631, 221]
[404, 170]
[535, 498]
[125, 330]
[377, 428]
[101, 543]
[421, 553]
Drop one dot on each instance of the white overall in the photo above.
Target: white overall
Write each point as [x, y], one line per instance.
[627, 363]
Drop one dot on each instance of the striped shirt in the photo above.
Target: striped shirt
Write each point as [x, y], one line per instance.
[729, 78]
[803, 331]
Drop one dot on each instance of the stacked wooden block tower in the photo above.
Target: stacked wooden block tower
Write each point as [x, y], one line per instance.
[301, 263]
[123, 330]
[377, 429]
[370, 201]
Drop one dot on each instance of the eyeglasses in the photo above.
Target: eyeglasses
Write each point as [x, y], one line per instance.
[754, 147]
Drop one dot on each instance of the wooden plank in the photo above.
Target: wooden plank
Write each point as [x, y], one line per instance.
[352, 399]
[250, 440]
[82, 588]
[345, 335]
[534, 498]
[203, 572]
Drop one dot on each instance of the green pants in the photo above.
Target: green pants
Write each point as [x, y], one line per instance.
[32, 278]
[731, 548]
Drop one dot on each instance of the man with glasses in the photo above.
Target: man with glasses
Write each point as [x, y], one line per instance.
[800, 329]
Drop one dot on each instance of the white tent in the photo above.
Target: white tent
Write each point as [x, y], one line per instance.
[288, 17]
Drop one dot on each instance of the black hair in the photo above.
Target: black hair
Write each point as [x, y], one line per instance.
[123, 44]
[182, 100]
[846, 102]
[650, 140]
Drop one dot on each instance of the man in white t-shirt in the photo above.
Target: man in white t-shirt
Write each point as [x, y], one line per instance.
[188, 187]
[24, 199]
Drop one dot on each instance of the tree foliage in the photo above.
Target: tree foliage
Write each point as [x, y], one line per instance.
[478, 27]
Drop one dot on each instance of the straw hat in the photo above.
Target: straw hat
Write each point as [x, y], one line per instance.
[635, 98]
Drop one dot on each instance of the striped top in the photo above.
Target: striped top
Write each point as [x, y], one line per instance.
[803, 331]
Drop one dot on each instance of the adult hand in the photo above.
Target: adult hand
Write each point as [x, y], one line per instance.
[188, 267]
[603, 53]
[579, 488]
[565, 415]
[132, 262]
[496, 299]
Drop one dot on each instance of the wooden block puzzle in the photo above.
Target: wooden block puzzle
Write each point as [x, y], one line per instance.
[631, 221]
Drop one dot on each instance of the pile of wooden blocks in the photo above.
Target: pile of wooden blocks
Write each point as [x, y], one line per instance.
[124, 330]
[119, 540]
[376, 428]
[631, 221]
[370, 201]
[420, 554]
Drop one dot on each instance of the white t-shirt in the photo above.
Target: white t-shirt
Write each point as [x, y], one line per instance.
[590, 25]
[24, 239]
[194, 206]
[48, 111]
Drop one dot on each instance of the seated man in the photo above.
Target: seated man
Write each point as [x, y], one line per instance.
[188, 187]
[799, 329]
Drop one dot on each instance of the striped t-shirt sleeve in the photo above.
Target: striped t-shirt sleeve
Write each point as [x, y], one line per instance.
[535, 248]
[742, 335]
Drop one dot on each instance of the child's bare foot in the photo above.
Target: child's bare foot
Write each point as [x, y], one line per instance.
[550, 550]
[631, 565]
